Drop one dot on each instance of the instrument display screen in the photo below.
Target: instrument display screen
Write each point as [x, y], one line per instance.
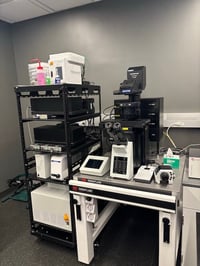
[93, 163]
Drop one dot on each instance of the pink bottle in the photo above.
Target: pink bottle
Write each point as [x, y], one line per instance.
[40, 75]
[41, 79]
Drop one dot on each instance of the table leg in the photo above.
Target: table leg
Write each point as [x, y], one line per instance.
[169, 236]
[84, 231]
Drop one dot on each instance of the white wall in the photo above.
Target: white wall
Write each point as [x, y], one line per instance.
[115, 34]
[10, 148]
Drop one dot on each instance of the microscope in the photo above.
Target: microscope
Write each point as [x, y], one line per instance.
[127, 132]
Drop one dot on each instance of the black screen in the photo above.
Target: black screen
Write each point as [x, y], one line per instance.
[92, 163]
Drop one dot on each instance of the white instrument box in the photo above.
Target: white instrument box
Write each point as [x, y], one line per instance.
[43, 165]
[51, 205]
[59, 167]
[68, 66]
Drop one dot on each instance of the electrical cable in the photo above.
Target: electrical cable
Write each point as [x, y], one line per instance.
[109, 115]
[167, 132]
[107, 109]
[178, 150]
[188, 146]
[170, 139]
[175, 151]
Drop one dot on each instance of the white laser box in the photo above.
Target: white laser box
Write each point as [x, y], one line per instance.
[51, 205]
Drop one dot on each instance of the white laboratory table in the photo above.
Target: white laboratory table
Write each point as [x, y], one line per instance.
[167, 200]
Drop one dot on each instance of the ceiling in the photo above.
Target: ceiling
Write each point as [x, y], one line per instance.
[12, 11]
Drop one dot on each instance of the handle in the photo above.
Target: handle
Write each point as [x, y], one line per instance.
[166, 230]
[78, 209]
[78, 212]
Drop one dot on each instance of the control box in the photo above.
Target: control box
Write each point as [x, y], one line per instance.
[122, 161]
[95, 165]
[43, 165]
[53, 107]
[59, 167]
[55, 134]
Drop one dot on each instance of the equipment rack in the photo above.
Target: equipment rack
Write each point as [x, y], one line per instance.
[23, 95]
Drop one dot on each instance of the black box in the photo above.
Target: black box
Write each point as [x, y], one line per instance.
[55, 134]
[54, 106]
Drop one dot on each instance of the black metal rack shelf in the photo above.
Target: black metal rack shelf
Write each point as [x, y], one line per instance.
[75, 153]
[33, 177]
[40, 120]
[56, 90]
[70, 119]
[74, 150]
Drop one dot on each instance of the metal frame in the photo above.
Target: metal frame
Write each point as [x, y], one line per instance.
[64, 90]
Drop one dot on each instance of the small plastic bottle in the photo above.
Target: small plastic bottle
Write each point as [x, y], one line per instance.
[48, 79]
[57, 79]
